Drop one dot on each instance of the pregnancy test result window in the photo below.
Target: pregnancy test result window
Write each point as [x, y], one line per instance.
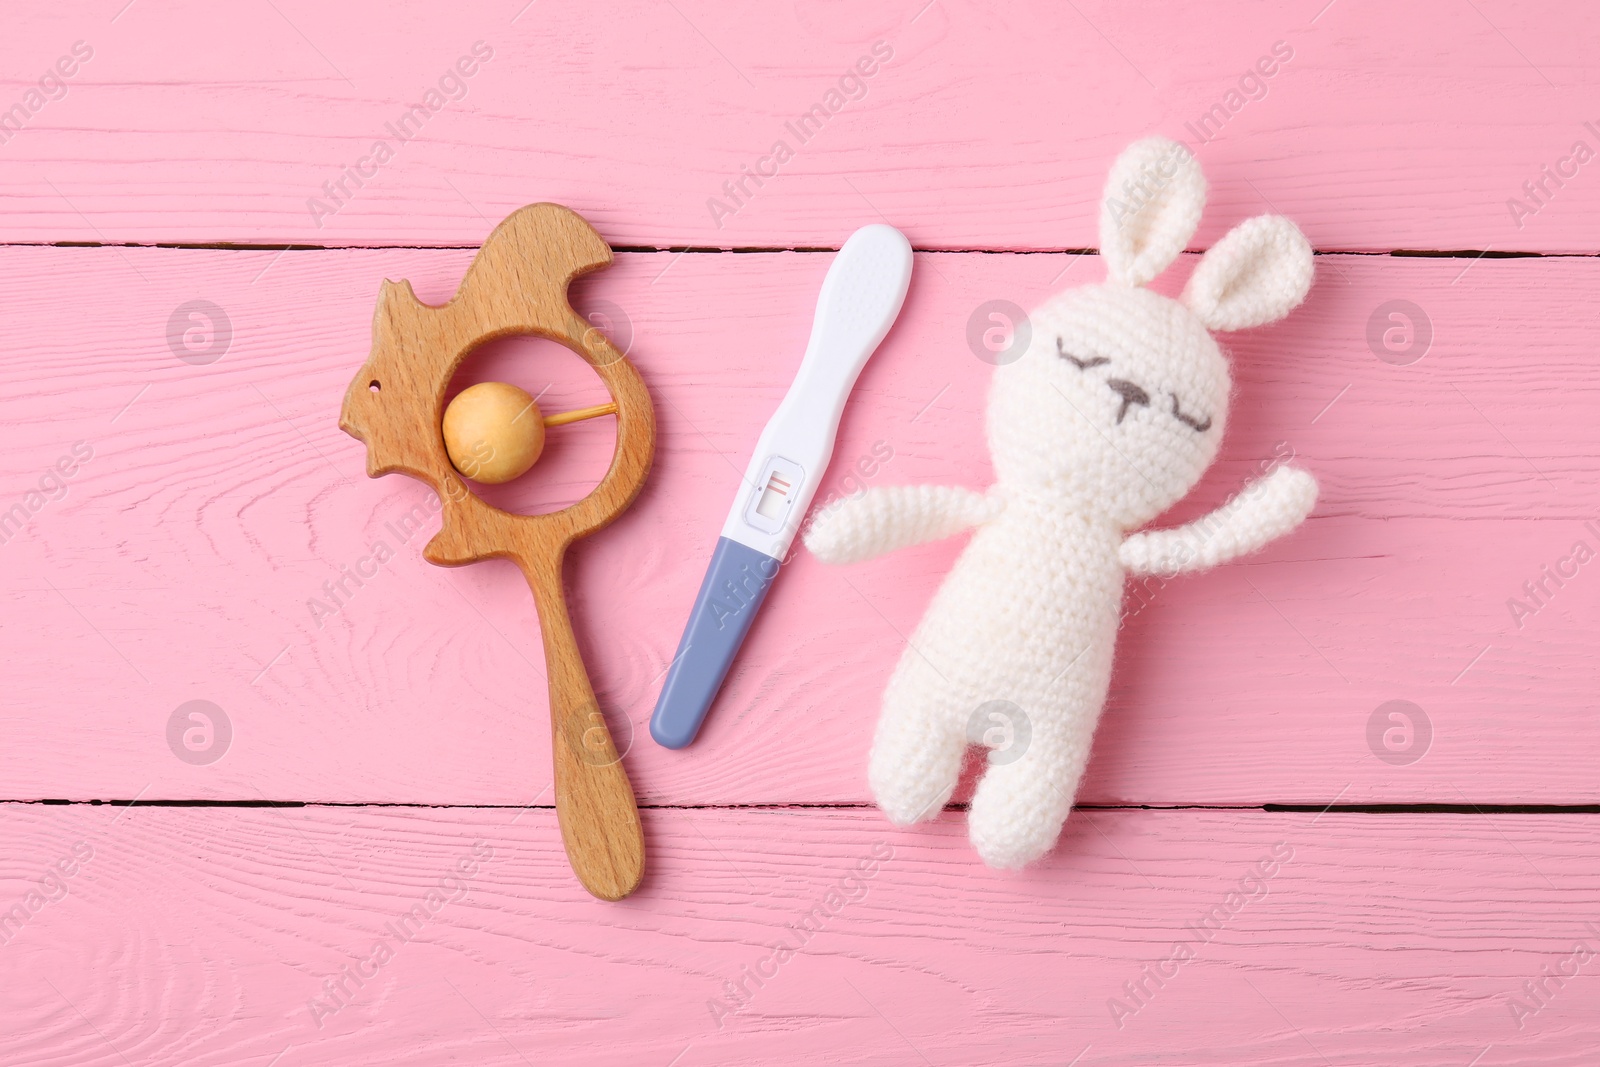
[777, 491]
[774, 498]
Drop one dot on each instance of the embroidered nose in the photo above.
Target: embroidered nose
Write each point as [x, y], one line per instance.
[1130, 394]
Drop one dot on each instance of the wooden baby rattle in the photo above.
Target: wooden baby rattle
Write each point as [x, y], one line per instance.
[517, 284]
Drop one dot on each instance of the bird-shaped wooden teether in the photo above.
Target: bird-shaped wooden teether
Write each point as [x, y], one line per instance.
[517, 284]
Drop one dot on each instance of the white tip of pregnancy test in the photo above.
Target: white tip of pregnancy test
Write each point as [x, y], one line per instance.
[862, 294]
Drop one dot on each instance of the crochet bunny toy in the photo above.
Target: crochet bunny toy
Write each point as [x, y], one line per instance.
[1108, 418]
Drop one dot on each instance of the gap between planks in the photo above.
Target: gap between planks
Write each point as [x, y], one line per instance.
[1266, 807]
[234, 246]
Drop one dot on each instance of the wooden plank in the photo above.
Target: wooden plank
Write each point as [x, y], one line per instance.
[1389, 125]
[188, 557]
[206, 936]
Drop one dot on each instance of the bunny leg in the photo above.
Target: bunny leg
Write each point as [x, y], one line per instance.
[1024, 797]
[920, 742]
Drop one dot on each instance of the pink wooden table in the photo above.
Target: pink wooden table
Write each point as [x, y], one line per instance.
[188, 289]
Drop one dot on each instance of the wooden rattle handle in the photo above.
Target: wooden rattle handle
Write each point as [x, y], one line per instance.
[594, 799]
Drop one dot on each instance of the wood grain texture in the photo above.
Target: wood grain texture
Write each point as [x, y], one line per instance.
[188, 558]
[207, 937]
[517, 286]
[1392, 125]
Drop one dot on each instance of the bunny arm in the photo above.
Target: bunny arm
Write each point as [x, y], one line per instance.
[890, 517]
[1263, 511]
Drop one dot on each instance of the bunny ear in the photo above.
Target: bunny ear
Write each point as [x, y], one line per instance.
[1151, 208]
[1256, 274]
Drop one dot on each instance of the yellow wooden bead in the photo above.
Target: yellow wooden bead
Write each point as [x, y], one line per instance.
[493, 432]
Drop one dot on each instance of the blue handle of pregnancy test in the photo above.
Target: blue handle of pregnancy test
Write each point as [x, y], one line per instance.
[730, 595]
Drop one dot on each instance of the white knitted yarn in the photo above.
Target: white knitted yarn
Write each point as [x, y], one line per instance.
[1109, 418]
[895, 517]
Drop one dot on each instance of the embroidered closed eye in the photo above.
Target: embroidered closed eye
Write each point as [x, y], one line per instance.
[1197, 425]
[1081, 364]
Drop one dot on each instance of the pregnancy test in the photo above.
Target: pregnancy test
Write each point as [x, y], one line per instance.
[862, 294]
